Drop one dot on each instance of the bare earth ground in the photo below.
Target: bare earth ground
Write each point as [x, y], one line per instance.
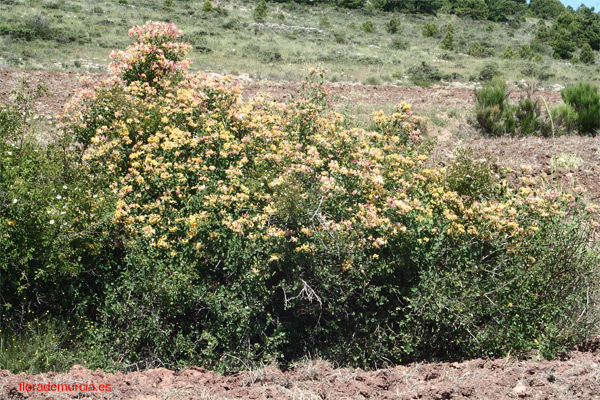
[576, 376]
[62, 85]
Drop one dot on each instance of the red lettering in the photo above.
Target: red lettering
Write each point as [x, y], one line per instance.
[53, 387]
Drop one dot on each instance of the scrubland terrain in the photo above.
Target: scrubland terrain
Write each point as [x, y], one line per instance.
[417, 220]
[67, 35]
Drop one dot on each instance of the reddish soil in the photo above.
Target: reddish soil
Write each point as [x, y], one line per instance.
[534, 156]
[576, 376]
[62, 84]
[420, 98]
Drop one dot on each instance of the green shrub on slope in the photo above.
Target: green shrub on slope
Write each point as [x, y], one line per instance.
[251, 231]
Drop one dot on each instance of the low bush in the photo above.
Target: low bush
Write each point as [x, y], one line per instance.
[36, 27]
[448, 41]
[324, 22]
[270, 56]
[368, 27]
[260, 12]
[473, 179]
[207, 7]
[587, 55]
[585, 101]
[565, 118]
[525, 52]
[488, 72]
[430, 30]
[509, 53]
[496, 116]
[393, 25]
[528, 116]
[399, 43]
[480, 50]
[493, 112]
[424, 74]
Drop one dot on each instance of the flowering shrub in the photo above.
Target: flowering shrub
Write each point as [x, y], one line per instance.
[254, 230]
[153, 57]
[55, 242]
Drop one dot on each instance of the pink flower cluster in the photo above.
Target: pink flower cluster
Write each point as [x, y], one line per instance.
[154, 31]
[153, 57]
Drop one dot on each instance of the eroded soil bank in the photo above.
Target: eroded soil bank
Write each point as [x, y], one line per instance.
[575, 376]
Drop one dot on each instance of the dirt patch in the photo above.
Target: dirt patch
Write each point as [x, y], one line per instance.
[577, 376]
[62, 85]
[565, 162]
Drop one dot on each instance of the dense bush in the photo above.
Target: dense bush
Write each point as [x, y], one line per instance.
[250, 231]
[55, 239]
[430, 30]
[393, 25]
[585, 101]
[546, 8]
[475, 9]
[352, 4]
[448, 41]
[502, 10]
[587, 55]
[572, 30]
[492, 109]
[260, 11]
[562, 45]
[424, 74]
[496, 116]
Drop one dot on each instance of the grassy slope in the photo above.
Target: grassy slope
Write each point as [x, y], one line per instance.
[82, 34]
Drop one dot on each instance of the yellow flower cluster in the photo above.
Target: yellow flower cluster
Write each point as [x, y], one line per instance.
[195, 165]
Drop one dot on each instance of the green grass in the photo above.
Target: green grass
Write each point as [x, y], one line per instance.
[38, 348]
[79, 35]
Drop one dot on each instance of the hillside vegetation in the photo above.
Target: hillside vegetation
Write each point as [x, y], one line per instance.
[173, 223]
[375, 42]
